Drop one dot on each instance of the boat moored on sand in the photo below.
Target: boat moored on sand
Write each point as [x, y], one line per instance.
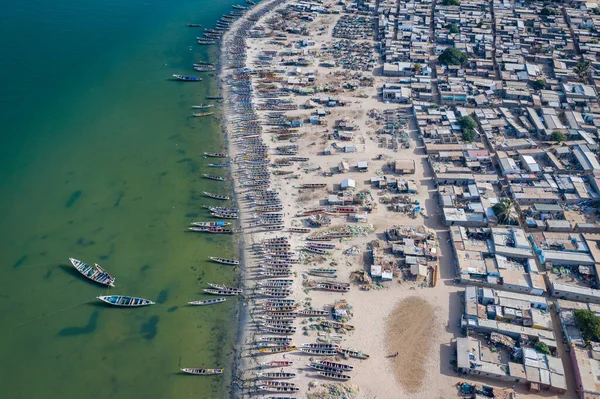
[207, 302]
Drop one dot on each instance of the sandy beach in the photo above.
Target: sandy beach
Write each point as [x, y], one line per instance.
[405, 315]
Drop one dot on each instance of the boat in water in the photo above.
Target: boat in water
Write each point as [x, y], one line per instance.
[201, 114]
[187, 78]
[216, 230]
[202, 371]
[94, 273]
[224, 261]
[206, 42]
[214, 97]
[216, 196]
[125, 301]
[202, 106]
[207, 302]
[214, 177]
[220, 292]
[219, 165]
[225, 288]
[195, 25]
[204, 68]
[215, 154]
[211, 224]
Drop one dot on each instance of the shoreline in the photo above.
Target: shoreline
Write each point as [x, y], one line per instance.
[243, 311]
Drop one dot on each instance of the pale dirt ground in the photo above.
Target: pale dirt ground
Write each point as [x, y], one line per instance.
[419, 323]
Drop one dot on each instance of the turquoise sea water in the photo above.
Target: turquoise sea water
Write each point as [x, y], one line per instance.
[100, 160]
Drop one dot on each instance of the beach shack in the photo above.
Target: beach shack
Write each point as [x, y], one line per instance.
[348, 184]
[362, 166]
[404, 166]
[343, 167]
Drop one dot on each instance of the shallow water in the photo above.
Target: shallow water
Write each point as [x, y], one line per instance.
[100, 160]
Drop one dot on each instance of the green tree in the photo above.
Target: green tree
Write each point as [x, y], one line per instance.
[538, 84]
[559, 137]
[467, 122]
[504, 211]
[548, 11]
[468, 135]
[582, 69]
[451, 2]
[588, 323]
[452, 28]
[453, 56]
[542, 348]
[418, 68]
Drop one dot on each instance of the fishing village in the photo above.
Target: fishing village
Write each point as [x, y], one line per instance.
[414, 189]
[395, 197]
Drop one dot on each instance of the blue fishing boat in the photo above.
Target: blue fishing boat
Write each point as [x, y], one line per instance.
[94, 273]
[125, 301]
[219, 165]
[187, 78]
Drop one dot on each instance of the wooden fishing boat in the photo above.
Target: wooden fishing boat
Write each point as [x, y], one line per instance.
[125, 301]
[214, 97]
[282, 172]
[275, 294]
[278, 363]
[220, 292]
[187, 78]
[284, 389]
[273, 273]
[282, 340]
[274, 227]
[334, 376]
[195, 25]
[212, 230]
[206, 41]
[353, 353]
[336, 325]
[313, 185]
[277, 375]
[318, 238]
[313, 312]
[298, 230]
[279, 317]
[315, 250]
[210, 224]
[333, 287]
[224, 261]
[334, 366]
[213, 154]
[94, 273]
[216, 196]
[319, 270]
[278, 349]
[319, 352]
[201, 114]
[279, 302]
[214, 177]
[321, 245]
[221, 209]
[203, 106]
[225, 215]
[225, 288]
[202, 371]
[276, 323]
[320, 345]
[276, 283]
[207, 302]
[204, 68]
[277, 330]
[219, 165]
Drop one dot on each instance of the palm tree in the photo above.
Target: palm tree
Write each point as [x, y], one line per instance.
[582, 69]
[504, 211]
